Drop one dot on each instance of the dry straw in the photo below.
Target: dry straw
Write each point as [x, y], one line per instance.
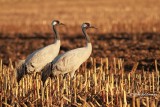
[105, 85]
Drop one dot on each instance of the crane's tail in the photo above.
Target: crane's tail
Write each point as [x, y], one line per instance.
[46, 71]
[20, 69]
[20, 74]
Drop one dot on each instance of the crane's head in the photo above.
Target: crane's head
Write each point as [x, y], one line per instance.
[56, 22]
[87, 25]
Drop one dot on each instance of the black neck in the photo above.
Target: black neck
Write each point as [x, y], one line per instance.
[56, 34]
[86, 35]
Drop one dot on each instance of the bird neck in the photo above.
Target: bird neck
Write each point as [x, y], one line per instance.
[56, 34]
[86, 35]
[89, 45]
[57, 42]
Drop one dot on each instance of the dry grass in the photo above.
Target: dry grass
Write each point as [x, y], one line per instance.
[110, 16]
[106, 84]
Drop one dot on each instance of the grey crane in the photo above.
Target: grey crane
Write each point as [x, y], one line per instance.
[39, 58]
[70, 61]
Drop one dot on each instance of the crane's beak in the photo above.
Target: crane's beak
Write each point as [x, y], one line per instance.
[93, 27]
[62, 24]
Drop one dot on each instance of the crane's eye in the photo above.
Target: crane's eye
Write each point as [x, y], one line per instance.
[88, 24]
[58, 22]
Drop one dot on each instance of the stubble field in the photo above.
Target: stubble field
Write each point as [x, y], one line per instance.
[126, 29]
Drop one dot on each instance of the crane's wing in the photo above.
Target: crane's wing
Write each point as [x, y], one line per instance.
[40, 58]
[31, 55]
[69, 61]
[36, 59]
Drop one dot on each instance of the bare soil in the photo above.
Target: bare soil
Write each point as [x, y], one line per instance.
[132, 47]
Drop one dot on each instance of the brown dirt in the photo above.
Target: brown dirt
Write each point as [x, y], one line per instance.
[143, 48]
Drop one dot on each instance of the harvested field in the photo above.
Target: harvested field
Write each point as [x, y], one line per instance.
[123, 69]
[106, 84]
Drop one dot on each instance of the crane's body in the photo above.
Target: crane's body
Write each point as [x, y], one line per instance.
[41, 57]
[37, 60]
[70, 61]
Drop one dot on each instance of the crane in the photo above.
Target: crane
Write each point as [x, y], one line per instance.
[70, 61]
[39, 58]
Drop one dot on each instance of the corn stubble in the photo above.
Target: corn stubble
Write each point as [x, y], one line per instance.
[104, 85]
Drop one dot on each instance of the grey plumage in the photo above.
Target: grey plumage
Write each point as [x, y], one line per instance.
[39, 58]
[70, 61]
